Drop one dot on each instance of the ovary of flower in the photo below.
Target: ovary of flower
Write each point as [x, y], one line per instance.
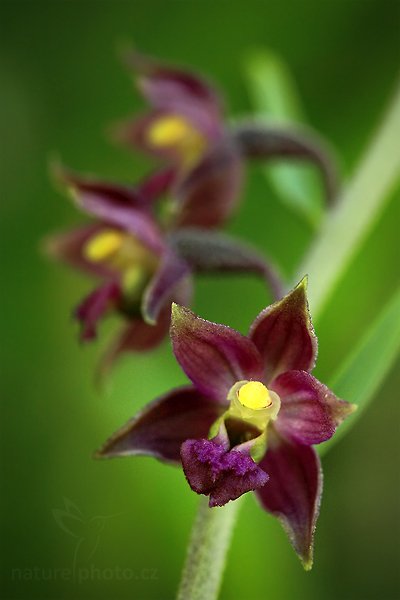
[176, 132]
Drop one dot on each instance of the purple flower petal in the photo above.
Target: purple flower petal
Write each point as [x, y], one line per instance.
[293, 492]
[156, 184]
[94, 307]
[284, 335]
[116, 205]
[139, 336]
[136, 336]
[213, 356]
[68, 247]
[121, 195]
[209, 194]
[178, 91]
[162, 426]
[160, 291]
[310, 412]
[208, 252]
[224, 476]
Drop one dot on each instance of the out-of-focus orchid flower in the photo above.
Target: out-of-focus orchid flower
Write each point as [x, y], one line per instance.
[186, 127]
[141, 268]
[251, 417]
[186, 116]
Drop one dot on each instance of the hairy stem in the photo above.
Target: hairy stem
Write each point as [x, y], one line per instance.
[208, 546]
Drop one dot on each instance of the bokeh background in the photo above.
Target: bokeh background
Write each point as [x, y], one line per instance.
[61, 85]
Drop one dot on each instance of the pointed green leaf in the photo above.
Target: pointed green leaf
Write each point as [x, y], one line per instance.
[275, 98]
[360, 376]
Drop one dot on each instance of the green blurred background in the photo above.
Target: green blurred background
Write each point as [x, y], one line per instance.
[61, 85]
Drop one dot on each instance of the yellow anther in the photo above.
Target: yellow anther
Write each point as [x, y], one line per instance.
[177, 133]
[254, 395]
[170, 130]
[103, 245]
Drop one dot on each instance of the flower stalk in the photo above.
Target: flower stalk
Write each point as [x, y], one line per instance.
[207, 550]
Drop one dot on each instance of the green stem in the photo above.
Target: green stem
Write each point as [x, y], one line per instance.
[346, 226]
[206, 556]
[342, 233]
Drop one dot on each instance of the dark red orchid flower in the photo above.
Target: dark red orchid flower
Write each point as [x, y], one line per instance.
[141, 268]
[186, 127]
[250, 419]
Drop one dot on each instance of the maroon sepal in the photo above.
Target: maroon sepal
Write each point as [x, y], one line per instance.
[119, 206]
[139, 336]
[294, 491]
[310, 412]
[156, 184]
[177, 91]
[135, 336]
[111, 193]
[95, 306]
[68, 247]
[284, 335]
[163, 425]
[213, 356]
[160, 291]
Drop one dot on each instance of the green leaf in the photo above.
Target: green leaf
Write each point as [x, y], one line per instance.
[275, 98]
[361, 375]
[355, 213]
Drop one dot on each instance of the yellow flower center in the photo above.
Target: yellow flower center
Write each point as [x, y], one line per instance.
[123, 253]
[169, 130]
[250, 403]
[253, 402]
[102, 246]
[254, 395]
[174, 131]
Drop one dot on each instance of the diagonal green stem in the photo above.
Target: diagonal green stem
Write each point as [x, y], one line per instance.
[343, 231]
[348, 223]
[208, 547]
